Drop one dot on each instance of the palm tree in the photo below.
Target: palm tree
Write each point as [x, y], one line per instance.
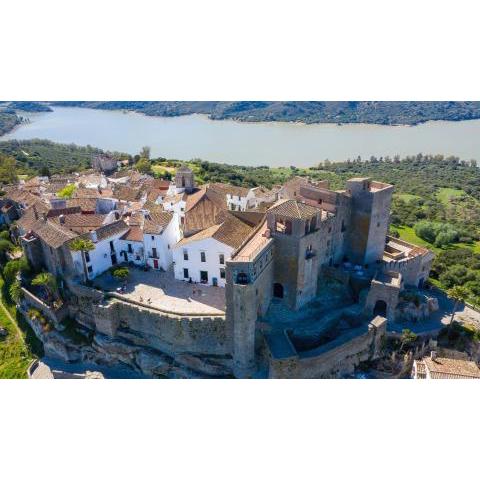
[47, 281]
[460, 295]
[82, 245]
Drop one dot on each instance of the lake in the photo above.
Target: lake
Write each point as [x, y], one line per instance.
[266, 143]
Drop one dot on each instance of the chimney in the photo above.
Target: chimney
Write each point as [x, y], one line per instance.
[93, 235]
[433, 354]
[61, 218]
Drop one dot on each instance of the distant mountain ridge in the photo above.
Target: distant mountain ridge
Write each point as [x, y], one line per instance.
[383, 113]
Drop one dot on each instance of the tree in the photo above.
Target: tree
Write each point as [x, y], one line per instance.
[144, 166]
[67, 192]
[48, 282]
[5, 246]
[82, 245]
[407, 338]
[459, 294]
[15, 291]
[145, 153]
[120, 273]
[44, 171]
[8, 169]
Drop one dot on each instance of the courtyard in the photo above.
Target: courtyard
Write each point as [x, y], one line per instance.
[160, 290]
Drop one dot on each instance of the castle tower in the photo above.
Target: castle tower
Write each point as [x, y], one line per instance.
[184, 180]
[370, 218]
[295, 229]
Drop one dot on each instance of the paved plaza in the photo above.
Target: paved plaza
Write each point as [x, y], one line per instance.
[160, 290]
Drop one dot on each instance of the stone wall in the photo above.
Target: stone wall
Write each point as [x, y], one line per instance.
[336, 358]
[143, 326]
[55, 315]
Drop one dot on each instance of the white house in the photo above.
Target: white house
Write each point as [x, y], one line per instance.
[160, 234]
[107, 249]
[131, 247]
[201, 257]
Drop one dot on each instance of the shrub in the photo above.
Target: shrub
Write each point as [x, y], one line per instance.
[120, 273]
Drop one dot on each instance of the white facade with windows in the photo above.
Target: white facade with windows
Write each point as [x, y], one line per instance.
[202, 261]
[158, 247]
[238, 203]
[104, 256]
[131, 251]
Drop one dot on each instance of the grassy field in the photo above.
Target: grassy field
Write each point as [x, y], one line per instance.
[14, 354]
[444, 194]
[406, 197]
[16, 349]
[408, 234]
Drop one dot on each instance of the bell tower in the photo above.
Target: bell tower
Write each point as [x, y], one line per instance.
[184, 180]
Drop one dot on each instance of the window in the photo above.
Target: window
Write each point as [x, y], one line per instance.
[222, 273]
[182, 209]
[307, 227]
[313, 224]
[221, 259]
[185, 273]
[153, 238]
[111, 246]
[378, 224]
[90, 269]
[203, 257]
[154, 252]
[87, 257]
[343, 226]
[283, 226]
[130, 249]
[185, 254]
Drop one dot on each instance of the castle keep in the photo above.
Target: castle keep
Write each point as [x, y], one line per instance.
[296, 281]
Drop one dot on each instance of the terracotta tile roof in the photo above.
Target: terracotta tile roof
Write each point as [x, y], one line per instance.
[80, 223]
[31, 215]
[156, 221]
[441, 367]
[55, 187]
[134, 234]
[111, 229]
[203, 209]
[231, 232]
[86, 204]
[55, 212]
[135, 218]
[124, 192]
[53, 234]
[160, 184]
[294, 209]
[21, 197]
[154, 193]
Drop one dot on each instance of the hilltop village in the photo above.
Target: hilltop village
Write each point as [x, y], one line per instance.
[175, 279]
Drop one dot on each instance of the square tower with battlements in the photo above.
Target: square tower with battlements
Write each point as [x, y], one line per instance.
[370, 218]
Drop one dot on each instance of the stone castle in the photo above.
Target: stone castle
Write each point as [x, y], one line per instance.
[305, 278]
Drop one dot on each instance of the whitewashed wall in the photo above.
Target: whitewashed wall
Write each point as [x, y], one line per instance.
[164, 243]
[212, 248]
[100, 258]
